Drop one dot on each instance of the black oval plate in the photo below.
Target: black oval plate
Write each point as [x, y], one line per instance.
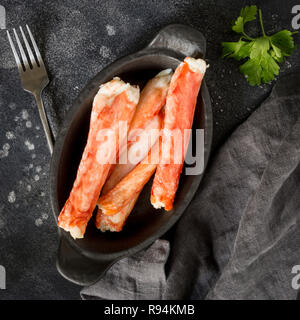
[83, 261]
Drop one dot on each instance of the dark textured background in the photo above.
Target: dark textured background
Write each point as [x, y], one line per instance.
[77, 39]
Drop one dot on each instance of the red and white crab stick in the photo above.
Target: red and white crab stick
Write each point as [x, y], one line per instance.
[114, 103]
[115, 223]
[153, 98]
[131, 185]
[137, 151]
[142, 147]
[179, 114]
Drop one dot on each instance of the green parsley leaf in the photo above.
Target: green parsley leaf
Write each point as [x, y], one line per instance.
[247, 14]
[284, 41]
[238, 26]
[252, 71]
[259, 48]
[262, 68]
[270, 68]
[263, 53]
[237, 50]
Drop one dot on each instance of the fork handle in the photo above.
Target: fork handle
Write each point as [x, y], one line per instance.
[39, 101]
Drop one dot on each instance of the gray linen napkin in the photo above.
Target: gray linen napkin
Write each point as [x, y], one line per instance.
[243, 225]
[139, 277]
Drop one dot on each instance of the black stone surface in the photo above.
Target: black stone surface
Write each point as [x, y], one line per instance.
[77, 39]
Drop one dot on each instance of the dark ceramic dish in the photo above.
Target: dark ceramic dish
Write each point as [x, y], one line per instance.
[84, 261]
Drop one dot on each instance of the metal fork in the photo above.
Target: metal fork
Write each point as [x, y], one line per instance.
[33, 74]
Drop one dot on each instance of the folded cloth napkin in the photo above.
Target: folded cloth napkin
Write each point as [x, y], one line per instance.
[139, 277]
[243, 225]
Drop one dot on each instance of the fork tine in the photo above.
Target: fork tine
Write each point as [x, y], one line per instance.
[23, 55]
[31, 56]
[36, 49]
[19, 64]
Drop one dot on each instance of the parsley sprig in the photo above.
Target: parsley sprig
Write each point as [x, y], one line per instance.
[263, 53]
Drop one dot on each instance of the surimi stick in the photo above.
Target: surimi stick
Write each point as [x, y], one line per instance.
[142, 146]
[115, 222]
[131, 185]
[115, 101]
[179, 114]
[152, 99]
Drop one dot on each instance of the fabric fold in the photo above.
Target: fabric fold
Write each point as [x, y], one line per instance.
[139, 277]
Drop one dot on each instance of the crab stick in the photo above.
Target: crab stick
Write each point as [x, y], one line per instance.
[131, 185]
[115, 222]
[137, 151]
[153, 98]
[179, 113]
[141, 147]
[114, 104]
